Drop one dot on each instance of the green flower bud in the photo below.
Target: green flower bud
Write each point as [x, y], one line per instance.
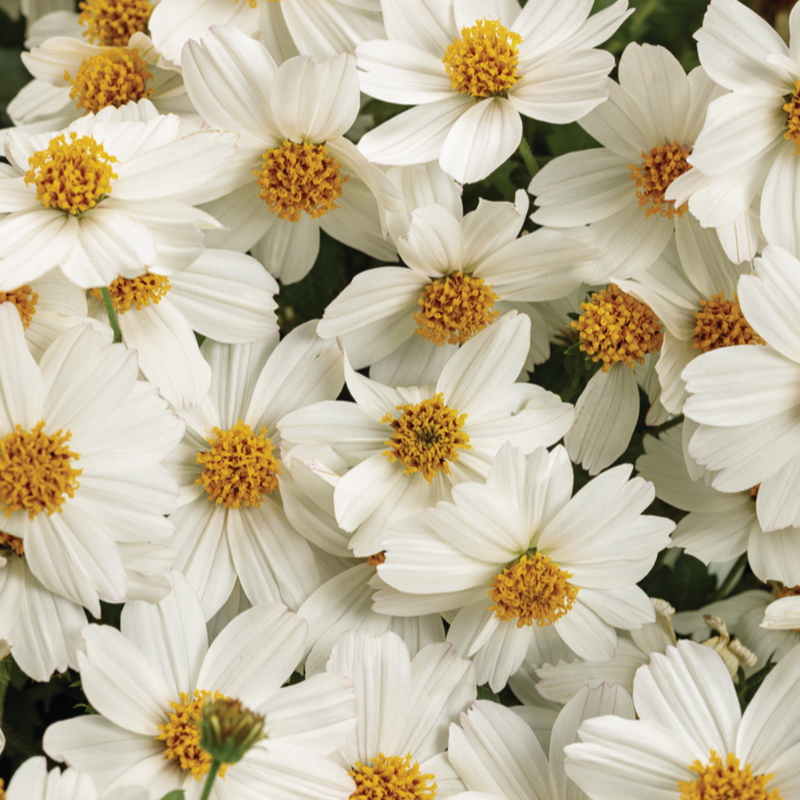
[228, 730]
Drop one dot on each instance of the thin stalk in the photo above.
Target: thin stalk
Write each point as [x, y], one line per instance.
[212, 774]
[731, 578]
[528, 157]
[112, 315]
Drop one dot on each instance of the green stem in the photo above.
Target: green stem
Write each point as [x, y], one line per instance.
[732, 577]
[528, 157]
[112, 315]
[212, 774]
[5, 677]
[670, 423]
[28, 749]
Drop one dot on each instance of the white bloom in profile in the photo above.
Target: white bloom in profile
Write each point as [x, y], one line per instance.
[783, 614]
[149, 682]
[106, 198]
[408, 447]
[746, 400]
[524, 564]
[404, 707]
[473, 69]
[294, 171]
[691, 738]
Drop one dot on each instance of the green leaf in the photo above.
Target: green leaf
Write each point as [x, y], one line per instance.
[749, 686]
[177, 794]
[485, 693]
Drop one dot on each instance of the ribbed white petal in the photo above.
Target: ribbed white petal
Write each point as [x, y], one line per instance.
[21, 384]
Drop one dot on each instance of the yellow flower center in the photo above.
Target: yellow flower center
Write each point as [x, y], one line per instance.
[111, 23]
[454, 309]
[36, 471]
[13, 543]
[73, 177]
[426, 436]
[239, 467]
[615, 327]
[377, 558]
[532, 589]
[136, 292]
[113, 78]
[484, 60]
[720, 323]
[392, 778]
[25, 300]
[726, 781]
[181, 735]
[792, 108]
[786, 591]
[300, 177]
[664, 164]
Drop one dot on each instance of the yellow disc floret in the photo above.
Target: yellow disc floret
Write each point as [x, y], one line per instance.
[532, 589]
[792, 108]
[239, 467]
[484, 60]
[300, 177]
[136, 292]
[392, 778]
[115, 77]
[454, 309]
[657, 171]
[786, 591]
[13, 543]
[616, 328]
[720, 780]
[181, 734]
[25, 300]
[377, 558]
[71, 176]
[36, 471]
[111, 23]
[720, 323]
[426, 436]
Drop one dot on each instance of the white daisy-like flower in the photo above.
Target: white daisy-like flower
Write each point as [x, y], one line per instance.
[404, 707]
[746, 400]
[32, 781]
[408, 447]
[691, 738]
[149, 682]
[80, 461]
[294, 171]
[783, 614]
[106, 197]
[525, 564]
[471, 68]
[231, 521]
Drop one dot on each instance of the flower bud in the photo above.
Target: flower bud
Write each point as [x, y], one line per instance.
[228, 730]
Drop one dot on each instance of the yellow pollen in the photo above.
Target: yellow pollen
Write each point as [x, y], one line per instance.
[111, 23]
[532, 589]
[181, 735]
[14, 543]
[615, 327]
[36, 471]
[454, 309]
[484, 60]
[720, 323]
[726, 781]
[254, 3]
[136, 292]
[25, 300]
[792, 108]
[392, 778]
[426, 436]
[377, 558]
[113, 78]
[300, 177]
[72, 177]
[664, 164]
[754, 492]
[239, 467]
[786, 591]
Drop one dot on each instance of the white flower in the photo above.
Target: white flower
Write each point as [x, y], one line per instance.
[784, 615]
[149, 681]
[691, 738]
[527, 564]
[408, 447]
[294, 171]
[126, 174]
[33, 9]
[472, 68]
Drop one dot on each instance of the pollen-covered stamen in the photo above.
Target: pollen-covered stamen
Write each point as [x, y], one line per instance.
[720, 323]
[377, 558]
[181, 734]
[36, 471]
[455, 308]
[426, 437]
[12, 543]
[25, 300]
[616, 328]
[392, 778]
[136, 292]
[239, 467]
[115, 77]
[300, 177]
[792, 108]
[786, 591]
[71, 176]
[111, 23]
[657, 171]
[484, 60]
[718, 780]
[532, 589]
